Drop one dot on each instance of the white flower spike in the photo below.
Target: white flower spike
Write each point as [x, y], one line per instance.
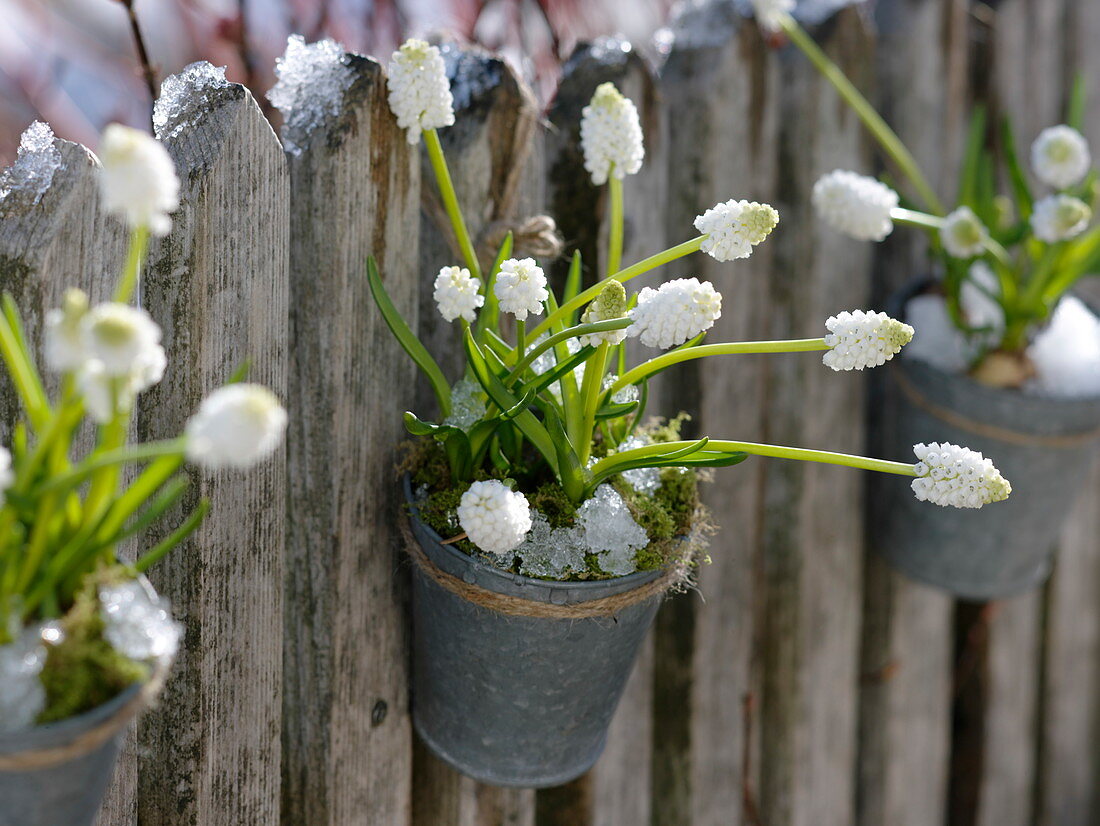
[64, 343]
[1060, 156]
[494, 518]
[138, 180]
[456, 294]
[962, 234]
[771, 13]
[236, 426]
[861, 339]
[520, 287]
[1059, 218]
[609, 304]
[123, 339]
[957, 476]
[854, 204]
[419, 92]
[611, 135]
[735, 227]
[679, 310]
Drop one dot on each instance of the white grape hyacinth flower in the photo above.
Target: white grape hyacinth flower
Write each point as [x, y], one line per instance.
[457, 294]
[123, 339]
[963, 234]
[236, 426]
[1059, 218]
[770, 14]
[857, 205]
[520, 287]
[609, 304]
[677, 311]
[138, 180]
[861, 339]
[1060, 156]
[735, 227]
[64, 347]
[106, 396]
[419, 92]
[611, 135]
[138, 624]
[494, 517]
[949, 475]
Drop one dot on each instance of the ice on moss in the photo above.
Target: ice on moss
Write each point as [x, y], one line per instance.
[550, 552]
[22, 696]
[1066, 353]
[139, 624]
[643, 479]
[186, 96]
[610, 531]
[36, 162]
[467, 404]
[312, 80]
[936, 339]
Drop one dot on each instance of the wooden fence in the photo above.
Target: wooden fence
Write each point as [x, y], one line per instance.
[805, 684]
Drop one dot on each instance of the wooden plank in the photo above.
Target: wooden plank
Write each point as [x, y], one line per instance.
[617, 790]
[347, 738]
[218, 285]
[492, 153]
[908, 633]
[719, 85]
[813, 532]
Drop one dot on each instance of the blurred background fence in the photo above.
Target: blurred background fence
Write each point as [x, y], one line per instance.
[805, 684]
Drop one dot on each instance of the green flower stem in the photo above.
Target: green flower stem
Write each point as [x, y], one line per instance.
[634, 270]
[521, 338]
[878, 128]
[730, 348]
[773, 451]
[24, 376]
[450, 200]
[590, 399]
[139, 243]
[615, 230]
[923, 220]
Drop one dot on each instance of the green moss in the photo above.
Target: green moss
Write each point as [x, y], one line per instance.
[83, 670]
[550, 500]
[679, 497]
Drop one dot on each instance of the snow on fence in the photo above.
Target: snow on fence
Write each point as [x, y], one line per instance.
[813, 685]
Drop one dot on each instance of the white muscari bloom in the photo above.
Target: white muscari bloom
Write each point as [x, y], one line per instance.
[862, 339]
[609, 304]
[137, 624]
[495, 518]
[138, 180]
[236, 426]
[419, 92]
[123, 339]
[771, 13]
[1060, 156]
[735, 227]
[520, 287]
[22, 695]
[64, 339]
[610, 531]
[679, 310]
[962, 234]
[957, 476]
[854, 204]
[1059, 218]
[611, 135]
[549, 552]
[456, 294]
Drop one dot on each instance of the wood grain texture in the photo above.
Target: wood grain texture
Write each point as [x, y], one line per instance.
[218, 286]
[493, 153]
[617, 790]
[347, 739]
[813, 534]
[719, 86]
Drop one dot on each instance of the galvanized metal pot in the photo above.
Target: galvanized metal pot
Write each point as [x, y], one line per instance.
[1043, 446]
[517, 700]
[70, 792]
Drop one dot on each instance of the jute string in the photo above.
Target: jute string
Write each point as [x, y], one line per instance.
[676, 575]
[987, 430]
[91, 739]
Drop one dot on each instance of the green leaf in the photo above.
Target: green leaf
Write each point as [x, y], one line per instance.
[181, 533]
[572, 281]
[1078, 97]
[562, 368]
[615, 411]
[968, 173]
[490, 313]
[1020, 190]
[571, 472]
[408, 341]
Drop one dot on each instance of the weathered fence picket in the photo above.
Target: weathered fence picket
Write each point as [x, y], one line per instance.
[347, 739]
[806, 684]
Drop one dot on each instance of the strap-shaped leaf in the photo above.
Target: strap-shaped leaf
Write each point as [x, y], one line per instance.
[615, 411]
[408, 341]
[968, 173]
[571, 473]
[1020, 190]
